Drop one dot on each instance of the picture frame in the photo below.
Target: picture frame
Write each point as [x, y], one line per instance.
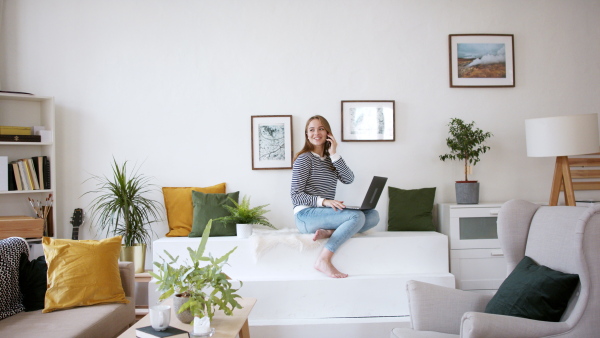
[481, 60]
[369, 121]
[271, 142]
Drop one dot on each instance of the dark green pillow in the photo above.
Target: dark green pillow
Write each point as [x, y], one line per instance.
[32, 282]
[411, 210]
[210, 206]
[534, 291]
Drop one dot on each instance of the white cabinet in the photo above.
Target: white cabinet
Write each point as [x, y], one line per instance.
[476, 259]
[27, 111]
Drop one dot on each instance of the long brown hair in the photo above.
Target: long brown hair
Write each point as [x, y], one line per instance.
[309, 146]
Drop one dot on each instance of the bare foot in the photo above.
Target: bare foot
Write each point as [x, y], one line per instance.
[324, 265]
[322, 233]
[328, 269]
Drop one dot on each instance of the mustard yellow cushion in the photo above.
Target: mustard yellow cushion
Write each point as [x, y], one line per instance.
[180, 210]
[82, 273]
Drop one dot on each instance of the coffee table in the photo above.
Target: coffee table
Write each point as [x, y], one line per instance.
[225, 326]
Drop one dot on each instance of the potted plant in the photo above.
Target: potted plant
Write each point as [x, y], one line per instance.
[121, 208]
[200, 288]
[244, 216]
[466, 144]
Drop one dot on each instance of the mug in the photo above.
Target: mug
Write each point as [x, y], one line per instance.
[160, 316]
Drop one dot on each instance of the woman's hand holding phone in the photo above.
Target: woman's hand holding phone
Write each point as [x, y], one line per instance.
[331, 144]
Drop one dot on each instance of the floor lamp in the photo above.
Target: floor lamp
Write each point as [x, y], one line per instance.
[562, 136]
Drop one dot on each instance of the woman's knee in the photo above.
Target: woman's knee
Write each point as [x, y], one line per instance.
[358, 218]
[371, 220]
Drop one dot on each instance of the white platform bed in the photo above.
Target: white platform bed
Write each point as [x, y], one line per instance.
[294, 300]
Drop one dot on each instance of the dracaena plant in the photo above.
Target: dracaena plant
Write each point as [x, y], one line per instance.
[121, 206]
[203, 281]
[465, 143]
[242, 213]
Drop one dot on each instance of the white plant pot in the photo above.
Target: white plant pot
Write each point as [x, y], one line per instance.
[243, 230]
[201, 325]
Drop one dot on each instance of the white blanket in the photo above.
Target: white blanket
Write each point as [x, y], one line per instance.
[264, 240]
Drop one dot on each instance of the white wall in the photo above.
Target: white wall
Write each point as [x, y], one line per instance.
[172, 85]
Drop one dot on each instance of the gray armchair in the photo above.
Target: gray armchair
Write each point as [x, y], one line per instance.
[562, 238]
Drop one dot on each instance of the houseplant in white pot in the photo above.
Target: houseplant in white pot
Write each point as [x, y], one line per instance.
[466, 144]
[200, 288]
[244, 216]
[122, 208]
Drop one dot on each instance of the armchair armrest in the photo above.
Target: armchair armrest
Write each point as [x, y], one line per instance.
[126, 269]
[475, 324]
[438, 308]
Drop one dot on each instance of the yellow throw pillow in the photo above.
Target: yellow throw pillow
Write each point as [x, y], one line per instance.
[82, 273]
[180, 210]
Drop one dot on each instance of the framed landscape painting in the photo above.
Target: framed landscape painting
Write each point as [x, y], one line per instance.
[482, 60]
[271, 142]
[368, 121]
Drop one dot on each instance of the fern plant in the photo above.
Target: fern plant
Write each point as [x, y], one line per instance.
[204, 282]
[242, 213]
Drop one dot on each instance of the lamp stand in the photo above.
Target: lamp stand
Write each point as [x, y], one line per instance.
[562, 177]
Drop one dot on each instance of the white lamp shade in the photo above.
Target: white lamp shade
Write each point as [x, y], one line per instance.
[562, 135]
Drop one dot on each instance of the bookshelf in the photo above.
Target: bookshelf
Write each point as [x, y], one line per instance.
[28, 111]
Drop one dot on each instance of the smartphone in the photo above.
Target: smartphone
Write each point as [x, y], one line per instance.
[327, 144]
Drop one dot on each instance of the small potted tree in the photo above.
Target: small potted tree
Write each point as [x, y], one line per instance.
[122, 208]
[199, 289]
[244, 216]
[466, 144]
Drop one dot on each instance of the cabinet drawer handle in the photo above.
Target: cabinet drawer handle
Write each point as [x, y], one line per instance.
[497, 254]
[494, 212]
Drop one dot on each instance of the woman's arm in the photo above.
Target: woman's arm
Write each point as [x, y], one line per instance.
[343, 172]
[301, 172]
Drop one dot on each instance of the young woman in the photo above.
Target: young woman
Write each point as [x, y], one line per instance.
[317, 168]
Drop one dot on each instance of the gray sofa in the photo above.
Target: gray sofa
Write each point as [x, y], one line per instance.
[102, 321]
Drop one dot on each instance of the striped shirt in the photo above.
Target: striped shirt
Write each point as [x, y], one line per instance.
[315, 178]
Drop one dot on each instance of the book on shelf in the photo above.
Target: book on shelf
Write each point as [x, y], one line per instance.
[20, 138]
[17, 175]
[24, 176]
[12, 184]
[46, 172]
[4, 173]
[149, 332]
[32, 174]
[38, 164]
[14, 130]
[29, 174]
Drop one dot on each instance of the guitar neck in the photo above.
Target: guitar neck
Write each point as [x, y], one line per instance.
[76, 221]
[75, 233]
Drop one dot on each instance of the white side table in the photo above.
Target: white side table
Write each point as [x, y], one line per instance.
[476, 259]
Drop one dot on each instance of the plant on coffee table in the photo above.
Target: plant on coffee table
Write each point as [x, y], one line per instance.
[204, 282]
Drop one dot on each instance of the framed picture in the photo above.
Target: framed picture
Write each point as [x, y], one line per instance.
[364, 121]
[271, 142]
[482, 60]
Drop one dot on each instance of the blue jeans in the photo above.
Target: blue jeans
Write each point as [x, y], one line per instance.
[345, 223]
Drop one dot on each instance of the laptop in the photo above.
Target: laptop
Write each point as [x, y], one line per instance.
[373, 194]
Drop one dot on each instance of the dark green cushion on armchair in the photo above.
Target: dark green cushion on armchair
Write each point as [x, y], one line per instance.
[210, 206]
[411, 210]
[534, 291]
